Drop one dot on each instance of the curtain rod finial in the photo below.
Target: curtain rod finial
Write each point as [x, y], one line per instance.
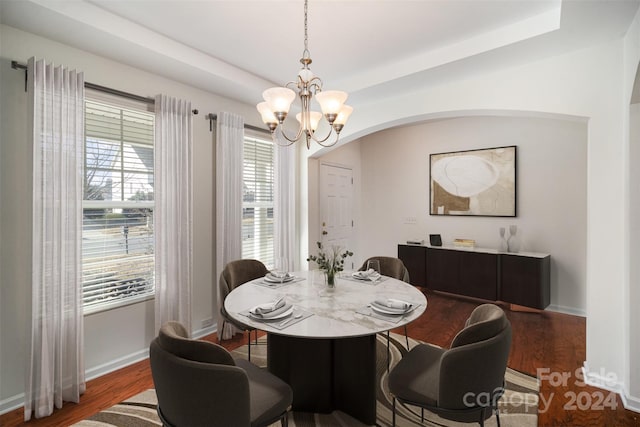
[211, 117]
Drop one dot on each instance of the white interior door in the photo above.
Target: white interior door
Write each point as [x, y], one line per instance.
[336, 207]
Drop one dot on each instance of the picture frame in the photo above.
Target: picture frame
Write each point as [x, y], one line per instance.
[479, 182]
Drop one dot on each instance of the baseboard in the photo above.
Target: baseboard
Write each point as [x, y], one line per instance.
[600, 380]
[555, 308]
[116, 364]
[204, 331]
[631, 403]
[567, 310]
[11, 403]
[132, 358]
[17, 401]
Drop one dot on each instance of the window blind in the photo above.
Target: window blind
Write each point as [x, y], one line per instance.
[257, 200]
[117, 233]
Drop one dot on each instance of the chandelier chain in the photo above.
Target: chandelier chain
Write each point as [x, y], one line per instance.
[306, 38]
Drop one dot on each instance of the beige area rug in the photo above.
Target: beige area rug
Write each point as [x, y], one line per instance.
[518, 406]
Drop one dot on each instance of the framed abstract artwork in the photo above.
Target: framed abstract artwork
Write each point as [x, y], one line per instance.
[474, 182]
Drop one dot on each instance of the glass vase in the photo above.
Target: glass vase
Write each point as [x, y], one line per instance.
[513, 243]
[330, 278]
[504, 247]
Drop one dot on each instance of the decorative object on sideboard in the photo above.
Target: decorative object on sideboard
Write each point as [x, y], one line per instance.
[464, 243]
[513, 243]
[504, 246]
[474, 182]
[415, 242]
[435, 240]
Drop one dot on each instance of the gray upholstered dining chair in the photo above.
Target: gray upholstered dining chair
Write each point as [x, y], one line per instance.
[462, 383]
[391, 267]
[234, 274]
[199, 383]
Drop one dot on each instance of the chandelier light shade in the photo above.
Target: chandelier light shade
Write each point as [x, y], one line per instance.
[313, 120]
[278, 100]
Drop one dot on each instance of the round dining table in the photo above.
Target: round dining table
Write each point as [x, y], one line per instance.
[325, 346]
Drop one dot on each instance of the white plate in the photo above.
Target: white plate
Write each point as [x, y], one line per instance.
[395, 312]
[272, 279]
[285, 313]
[370, 278]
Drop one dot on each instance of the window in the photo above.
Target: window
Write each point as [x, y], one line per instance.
[257, 200]
[117, 226]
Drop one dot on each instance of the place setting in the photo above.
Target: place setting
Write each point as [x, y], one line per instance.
[389, 309]
[278, 277]
[370, 276]
[277, 314]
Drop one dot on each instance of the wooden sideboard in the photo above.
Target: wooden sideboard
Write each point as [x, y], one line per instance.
[517, 278]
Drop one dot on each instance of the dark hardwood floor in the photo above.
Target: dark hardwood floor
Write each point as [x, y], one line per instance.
[548, 345]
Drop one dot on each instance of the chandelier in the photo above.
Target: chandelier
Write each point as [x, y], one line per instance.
[278, 100]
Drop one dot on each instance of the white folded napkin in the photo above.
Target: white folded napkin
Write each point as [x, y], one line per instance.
[393, 304]
[278, 313]
[278, 277]
[369, 274]
[269, 307]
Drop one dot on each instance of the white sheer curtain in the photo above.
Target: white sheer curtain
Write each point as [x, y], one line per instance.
[285, 203]
[229, 165]
[173, 193]
[55, 371]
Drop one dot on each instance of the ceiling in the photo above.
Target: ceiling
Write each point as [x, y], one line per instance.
[372, 48]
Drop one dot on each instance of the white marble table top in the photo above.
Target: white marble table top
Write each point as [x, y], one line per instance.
[334, 312]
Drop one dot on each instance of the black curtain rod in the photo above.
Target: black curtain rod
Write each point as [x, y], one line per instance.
[17, 66]
[211, 117]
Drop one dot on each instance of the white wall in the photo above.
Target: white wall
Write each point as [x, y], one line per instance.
[634, 255]
[632, 351]
[552, 160]
[121, 335]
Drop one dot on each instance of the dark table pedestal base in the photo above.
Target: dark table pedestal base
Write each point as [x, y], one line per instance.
[327, 374]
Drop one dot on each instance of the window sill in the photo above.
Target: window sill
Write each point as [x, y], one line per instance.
[107, 306]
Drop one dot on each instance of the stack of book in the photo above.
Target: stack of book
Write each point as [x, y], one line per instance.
[464, 243]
